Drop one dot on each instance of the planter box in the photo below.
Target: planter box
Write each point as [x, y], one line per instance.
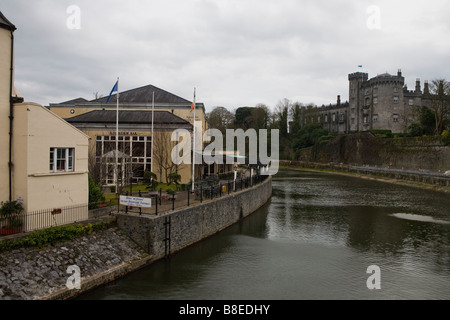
[8, 231]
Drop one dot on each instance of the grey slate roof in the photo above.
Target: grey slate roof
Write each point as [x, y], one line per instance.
[127, 117]
[138, 95]
[5, 23]
[75, 101]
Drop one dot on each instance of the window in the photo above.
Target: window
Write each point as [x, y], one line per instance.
[375, 90]
[395, 89]
[62, 159]
[375, 100]
[395, 99]
[366, 119]
[395, 118]
[135, 153]
[411, 102]
[375, 118]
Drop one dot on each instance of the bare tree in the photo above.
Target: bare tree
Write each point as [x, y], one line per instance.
[162, 154]
[440, 103]
[221, 118]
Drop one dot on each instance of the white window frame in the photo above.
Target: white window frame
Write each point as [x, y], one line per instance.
[62, 160]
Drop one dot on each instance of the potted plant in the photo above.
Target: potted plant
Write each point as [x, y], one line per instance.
[10, 219]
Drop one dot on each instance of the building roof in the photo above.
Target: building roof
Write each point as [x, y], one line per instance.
[144, 94]
[383, 75]
[75, 101]
[138, 95]
[5, 23]
[128, 117]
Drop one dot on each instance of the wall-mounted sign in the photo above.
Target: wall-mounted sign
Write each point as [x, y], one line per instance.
[123, 133]
[135, 202]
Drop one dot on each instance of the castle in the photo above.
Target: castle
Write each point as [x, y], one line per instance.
[381, 103]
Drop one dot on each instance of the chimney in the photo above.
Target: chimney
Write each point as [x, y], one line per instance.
[426, 89]
[338, 100]
[399, 72]
[418, 89]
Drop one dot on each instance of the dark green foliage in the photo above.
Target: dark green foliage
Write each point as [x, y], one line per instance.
[150, 180]
[174, 178]
[242, 117]
[308, 136]
[10, 212]
[53, 235]
[426, 123]
[95, 193]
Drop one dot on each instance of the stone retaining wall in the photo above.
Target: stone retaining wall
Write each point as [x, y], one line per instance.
[103, 256]
[192, 224]
[32, 274]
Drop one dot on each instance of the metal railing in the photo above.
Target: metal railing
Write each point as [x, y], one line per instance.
[163, 202]
[42, 219]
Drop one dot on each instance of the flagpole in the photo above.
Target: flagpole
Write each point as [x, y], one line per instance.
[117, 139]
[153, 140]
[193, 153]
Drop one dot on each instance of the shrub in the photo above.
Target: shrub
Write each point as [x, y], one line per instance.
[50, 236]
[446, 136]
[95, 193]
[10, 212]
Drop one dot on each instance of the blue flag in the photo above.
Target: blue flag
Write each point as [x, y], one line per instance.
[115, 89]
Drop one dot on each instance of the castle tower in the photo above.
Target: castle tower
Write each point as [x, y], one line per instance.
[418, 88]
[6, 88]
[357, 81]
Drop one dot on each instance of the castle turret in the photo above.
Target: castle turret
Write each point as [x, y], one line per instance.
[418, 89]
[426, 89]
[357, 81]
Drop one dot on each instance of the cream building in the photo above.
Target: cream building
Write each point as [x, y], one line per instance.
[134, 145]
[97, 118]
[43, 159]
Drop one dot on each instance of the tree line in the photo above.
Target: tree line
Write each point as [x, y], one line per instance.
[298, 130]
[433, 118]
[288, 117]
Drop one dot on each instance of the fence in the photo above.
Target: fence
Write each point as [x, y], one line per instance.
[163, 202]
[42, 219]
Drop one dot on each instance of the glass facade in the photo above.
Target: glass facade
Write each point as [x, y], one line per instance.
[134, 155]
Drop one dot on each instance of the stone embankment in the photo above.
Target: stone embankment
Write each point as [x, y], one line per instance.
[32, 273]
[415, 178]
[103, 256]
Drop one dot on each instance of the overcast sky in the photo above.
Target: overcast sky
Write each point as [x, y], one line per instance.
[235, 52]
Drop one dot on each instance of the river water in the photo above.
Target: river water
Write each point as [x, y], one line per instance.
[314, 240]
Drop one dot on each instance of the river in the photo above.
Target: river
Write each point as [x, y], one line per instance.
[314, 240]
